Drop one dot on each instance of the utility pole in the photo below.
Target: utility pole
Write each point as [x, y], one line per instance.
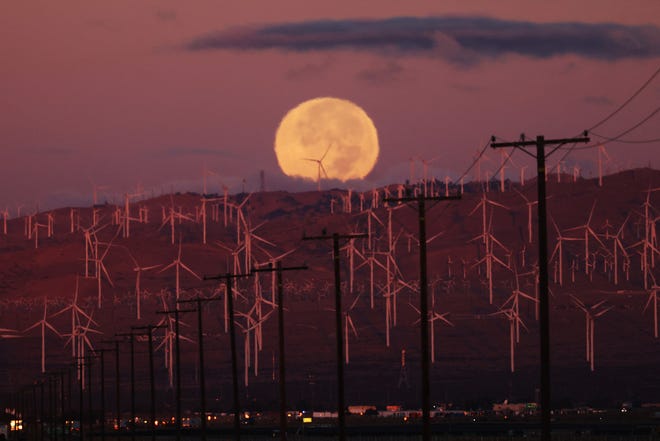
[424, 305]
[202, 380]
[338, 323]
[544, 312]
[177, 349]
[228, 278]
[280, 325]
[117, 383]
[80, 363]
[100, 353]
[148, 330]
[131, 340]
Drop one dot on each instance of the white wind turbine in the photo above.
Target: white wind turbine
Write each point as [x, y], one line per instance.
[102, 271]
[587, 233]
[590, 314]
[514, 322]
[348, 324]
[169, 340]
[252, 324]
[617, 246]
[513, 302]
[320, 166]
[483, 204]
[425, 171]
[43, 324]
[172, 217]
[138, 273]
[653, 299]
[433, 317]
[5, 218]
[77, 313]
[601, 153]
[530, 204]
[127, 212]
[178, 264]
[80, 342]
[371, 260]
[558, 254]
[490, 258]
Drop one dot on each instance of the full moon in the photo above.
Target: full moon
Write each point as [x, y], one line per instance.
[326, 138]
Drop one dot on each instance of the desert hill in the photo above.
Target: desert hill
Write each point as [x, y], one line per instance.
[42, 265]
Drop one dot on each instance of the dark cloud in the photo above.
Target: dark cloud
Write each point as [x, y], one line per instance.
[458, 39]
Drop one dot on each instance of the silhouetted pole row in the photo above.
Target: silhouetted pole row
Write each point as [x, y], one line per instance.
[177, 349]
[424, 306]
[148, 330]
[338, 323]
[280, 326]
[228, 278]
[544, 312]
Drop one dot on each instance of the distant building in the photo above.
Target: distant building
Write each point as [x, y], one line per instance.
[506, 408]
[360, 409]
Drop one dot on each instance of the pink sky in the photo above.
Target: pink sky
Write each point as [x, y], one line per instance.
[111, 91]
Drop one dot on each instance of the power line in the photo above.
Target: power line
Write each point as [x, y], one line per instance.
[617, 110]
[627, 141]
[615, 138]
[625, 103]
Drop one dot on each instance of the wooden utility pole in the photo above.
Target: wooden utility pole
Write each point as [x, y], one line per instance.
[177, 349]
[228, 278]
[544, 312]
[424, 306]
[117, 382]
[131, 340]
[148, 330]
[280, 325]
[341, 407]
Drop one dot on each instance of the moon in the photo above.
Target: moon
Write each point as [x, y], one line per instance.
[326, 138]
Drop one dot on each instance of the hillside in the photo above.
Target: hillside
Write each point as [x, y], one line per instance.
[472, 352]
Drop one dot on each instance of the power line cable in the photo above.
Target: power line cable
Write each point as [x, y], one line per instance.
[625, 103]
[617, 110]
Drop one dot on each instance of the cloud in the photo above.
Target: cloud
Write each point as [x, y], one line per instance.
[463, 40]
[309, 70]
[382, 74]
[197, 151]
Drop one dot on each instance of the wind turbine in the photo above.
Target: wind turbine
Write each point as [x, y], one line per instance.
[514, 322]
[43, 324]
[433, 317]
[588, 232]
[348, 324]
[178, 264]
[601, 153]
[76, 313]
[590, 314]
[138, 272]
[653, 299]
[320, 166]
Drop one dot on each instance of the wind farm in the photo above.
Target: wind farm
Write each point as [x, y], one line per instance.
[476, 356]
[432, 271]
